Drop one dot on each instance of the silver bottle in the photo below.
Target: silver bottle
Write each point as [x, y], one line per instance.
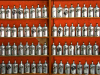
[89, 49]
[65, 49]
[32, 49]
[38, 49]
[20, 12]
[71, 49]
[14, 50]
[78, 30]
[77, 49]
[86, 68]
[8, 13]
[8, 49]
[14, 31]
[9, 68]
[96, 11]
[33, 31]
[66, 30]
[83, 49]
[90, 30]
[95, 49]
[14, 13]
[15, 68]
[20, 31]
[20, 49]
[39, 67]
[84, 11]
[79, 68]
[73, 68]
[59, 11]
[60, 31]
[26, 49]
[2, 47]
[45, 49]
[61, 68]
[3, 67]
[98, 68]
[78, 11]
[59, 49]
[55, 67]
[92, 68]
[53, 11]
[8, 31]
[97, 30]
[53, 49]
[72, 31]
[54, 31]
[2, 31]
[33, 67]
[38, 12]
[39, 31]
[21, 68]
[84, 30]
[71, 11]
[90, 11]
[67, 68]
[27, 67]
[45, 31]
[45, 67]
[26, 13]
[65, 11]
[27, 31]
[32, 12]
[44, 12]
[2, 12]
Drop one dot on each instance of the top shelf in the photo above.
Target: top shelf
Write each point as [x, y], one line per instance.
[24, 0]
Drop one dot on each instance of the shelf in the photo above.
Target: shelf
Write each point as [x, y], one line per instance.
[76, 37]
[75, 74]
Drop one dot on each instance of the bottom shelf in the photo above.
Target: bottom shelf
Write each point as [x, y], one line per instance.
[75, 74]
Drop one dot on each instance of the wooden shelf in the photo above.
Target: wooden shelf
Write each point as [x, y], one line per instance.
[76, 37]
[75, 74]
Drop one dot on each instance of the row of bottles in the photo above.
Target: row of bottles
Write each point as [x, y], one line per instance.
[23, 50]
[21, 68]
[24, 31]
[75, 12]
[20, 13]
[75, 50]
[76, 31]
[76, 69]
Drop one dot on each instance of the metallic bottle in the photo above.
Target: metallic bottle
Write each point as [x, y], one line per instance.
[98, 68]
[33, 67]
[45, 67]
[8, 31]
[61, 67]
[84, 11]
[77, 49]
[86, 68]
[2, 12]
[26, 13]
[32, 49]
[26, 49]
[45, 49]
[53, 11]
[90, 30]
[32, 12]
[38, 49]
[71, 49]
[78, 31]
[89, 49]
[59, 49]
[90, 11]
[2, 31]
[14, 13]
[39, 31]
[44, 12]
[67, 68]
[59, 11]
[78, 11]
[96, 11]
[33, 31]
[3, 67]
[8, 49]
[72, 31]
[14, 50]
[53, 49]
[92, 68]
[73, 68]
[55, 67]
[97, 30]
[39, 67]
[45, 31]
[20, 49]
[20, 31]
[60, 31]
[20, 12]
[9, 68]
[8, 13]
[65, 11]
[79, 68]
[66, 30]
[15, 68]
[27, 67]
[65, 49]
[14, 31]
[21, 68]
[95, 49]
[2, 47]
[27, 31]
[71, 11]
[84, 30]
[83, 49]
[54, 31]
[38, 12]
